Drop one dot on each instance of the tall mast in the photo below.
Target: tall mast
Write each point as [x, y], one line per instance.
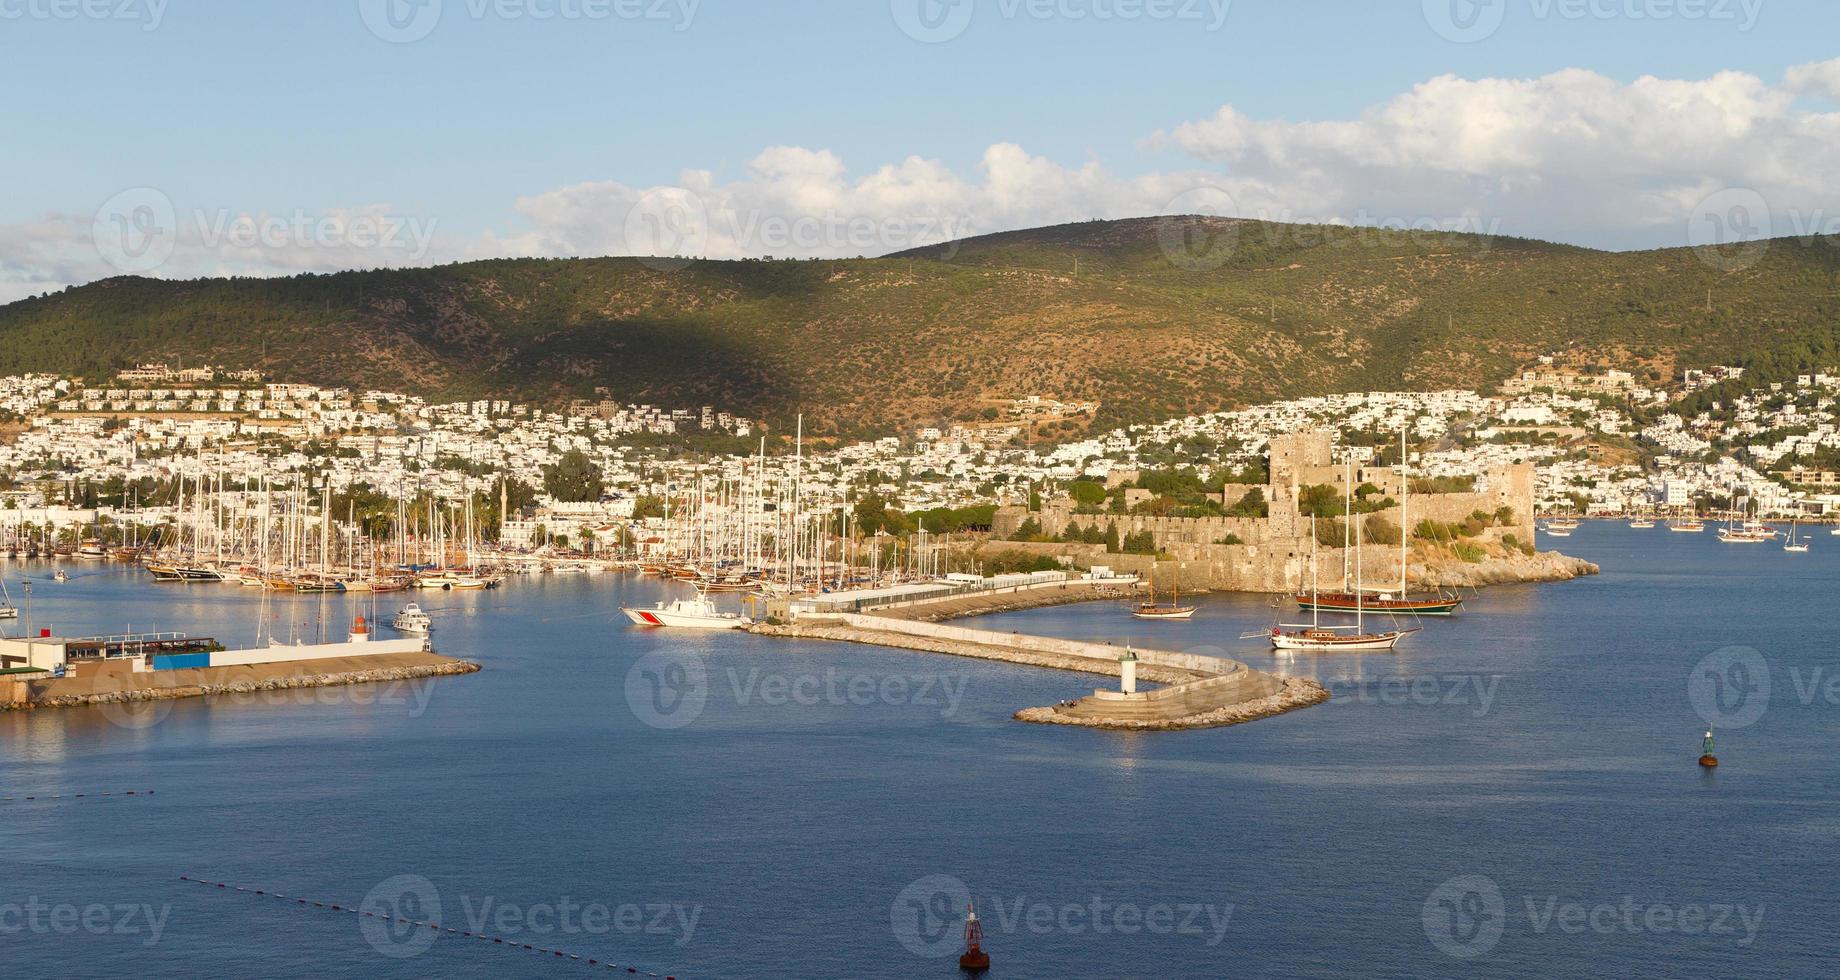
[1359, 599]
[1405, 487]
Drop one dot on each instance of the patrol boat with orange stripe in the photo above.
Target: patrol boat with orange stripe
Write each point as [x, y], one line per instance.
[696, 614]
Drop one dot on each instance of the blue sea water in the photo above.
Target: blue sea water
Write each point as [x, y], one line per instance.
[1513, 793]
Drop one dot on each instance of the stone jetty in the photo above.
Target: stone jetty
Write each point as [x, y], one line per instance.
[1201, 691]
[112, 684]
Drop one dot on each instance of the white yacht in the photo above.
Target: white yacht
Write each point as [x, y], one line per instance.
[412, 620]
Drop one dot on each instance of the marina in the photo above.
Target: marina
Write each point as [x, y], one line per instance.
[1413, 748]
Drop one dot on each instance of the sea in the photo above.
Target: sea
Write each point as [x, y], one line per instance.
[1515, 792]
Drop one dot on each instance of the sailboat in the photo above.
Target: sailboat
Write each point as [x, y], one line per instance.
[1792, 545]
[7, 609]
[1749, 532]
[1314, 637]
[1152, 609]
[1435, 603]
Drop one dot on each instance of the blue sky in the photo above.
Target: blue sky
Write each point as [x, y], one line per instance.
[279, 107]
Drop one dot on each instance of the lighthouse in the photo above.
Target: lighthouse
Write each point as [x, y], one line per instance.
[1127, 672]
[974, 960]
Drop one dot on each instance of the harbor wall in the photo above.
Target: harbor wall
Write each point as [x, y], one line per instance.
[116, 683]
[1203, 691]
[1022, 642]
[317, 651]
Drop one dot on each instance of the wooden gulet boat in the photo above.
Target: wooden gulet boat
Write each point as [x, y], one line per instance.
[1174, 609]
[1314, 637]
[1436, 603]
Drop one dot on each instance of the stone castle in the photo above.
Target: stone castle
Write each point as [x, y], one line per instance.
[1272, 554]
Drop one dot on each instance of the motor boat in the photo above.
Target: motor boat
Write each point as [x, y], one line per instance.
[412, 620]
[697, 613]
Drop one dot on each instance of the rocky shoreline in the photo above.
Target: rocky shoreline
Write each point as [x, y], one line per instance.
[284, 683]
[1298, 692]
[1544, 566]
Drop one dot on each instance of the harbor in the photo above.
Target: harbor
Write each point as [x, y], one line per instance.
[46, 671]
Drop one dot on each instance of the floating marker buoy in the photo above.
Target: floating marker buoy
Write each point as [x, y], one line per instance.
[974, 960]
[1707, 759]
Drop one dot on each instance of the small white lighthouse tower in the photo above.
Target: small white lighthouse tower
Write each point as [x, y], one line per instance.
[1127, 671]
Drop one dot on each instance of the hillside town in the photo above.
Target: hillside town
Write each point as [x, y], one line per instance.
[1602, 443]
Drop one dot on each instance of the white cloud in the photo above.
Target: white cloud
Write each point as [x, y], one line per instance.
[1571, 156]
[1820, 78]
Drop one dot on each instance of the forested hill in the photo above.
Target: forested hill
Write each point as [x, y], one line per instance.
[1149, 317]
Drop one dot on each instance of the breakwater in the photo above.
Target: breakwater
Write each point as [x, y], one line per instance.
[1201, 691]
[115, 687]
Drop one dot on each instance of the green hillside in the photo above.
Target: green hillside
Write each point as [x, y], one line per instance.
[1268, 311]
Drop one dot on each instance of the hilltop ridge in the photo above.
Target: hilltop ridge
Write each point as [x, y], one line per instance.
[1149, 317]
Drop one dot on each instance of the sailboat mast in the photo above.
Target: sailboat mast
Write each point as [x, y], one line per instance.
[1405, 488]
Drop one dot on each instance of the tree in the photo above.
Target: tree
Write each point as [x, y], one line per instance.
[1086, 492]
[574, 478]
[1251, 505]
[872, 514]
[1321, 500]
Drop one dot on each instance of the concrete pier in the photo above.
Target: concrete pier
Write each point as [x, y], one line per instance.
[115, 683]
[1202, 691]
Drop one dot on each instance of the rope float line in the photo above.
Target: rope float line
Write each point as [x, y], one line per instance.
[435, 926]
[71, 796]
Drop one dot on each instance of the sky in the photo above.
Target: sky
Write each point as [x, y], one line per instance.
[183, 138]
